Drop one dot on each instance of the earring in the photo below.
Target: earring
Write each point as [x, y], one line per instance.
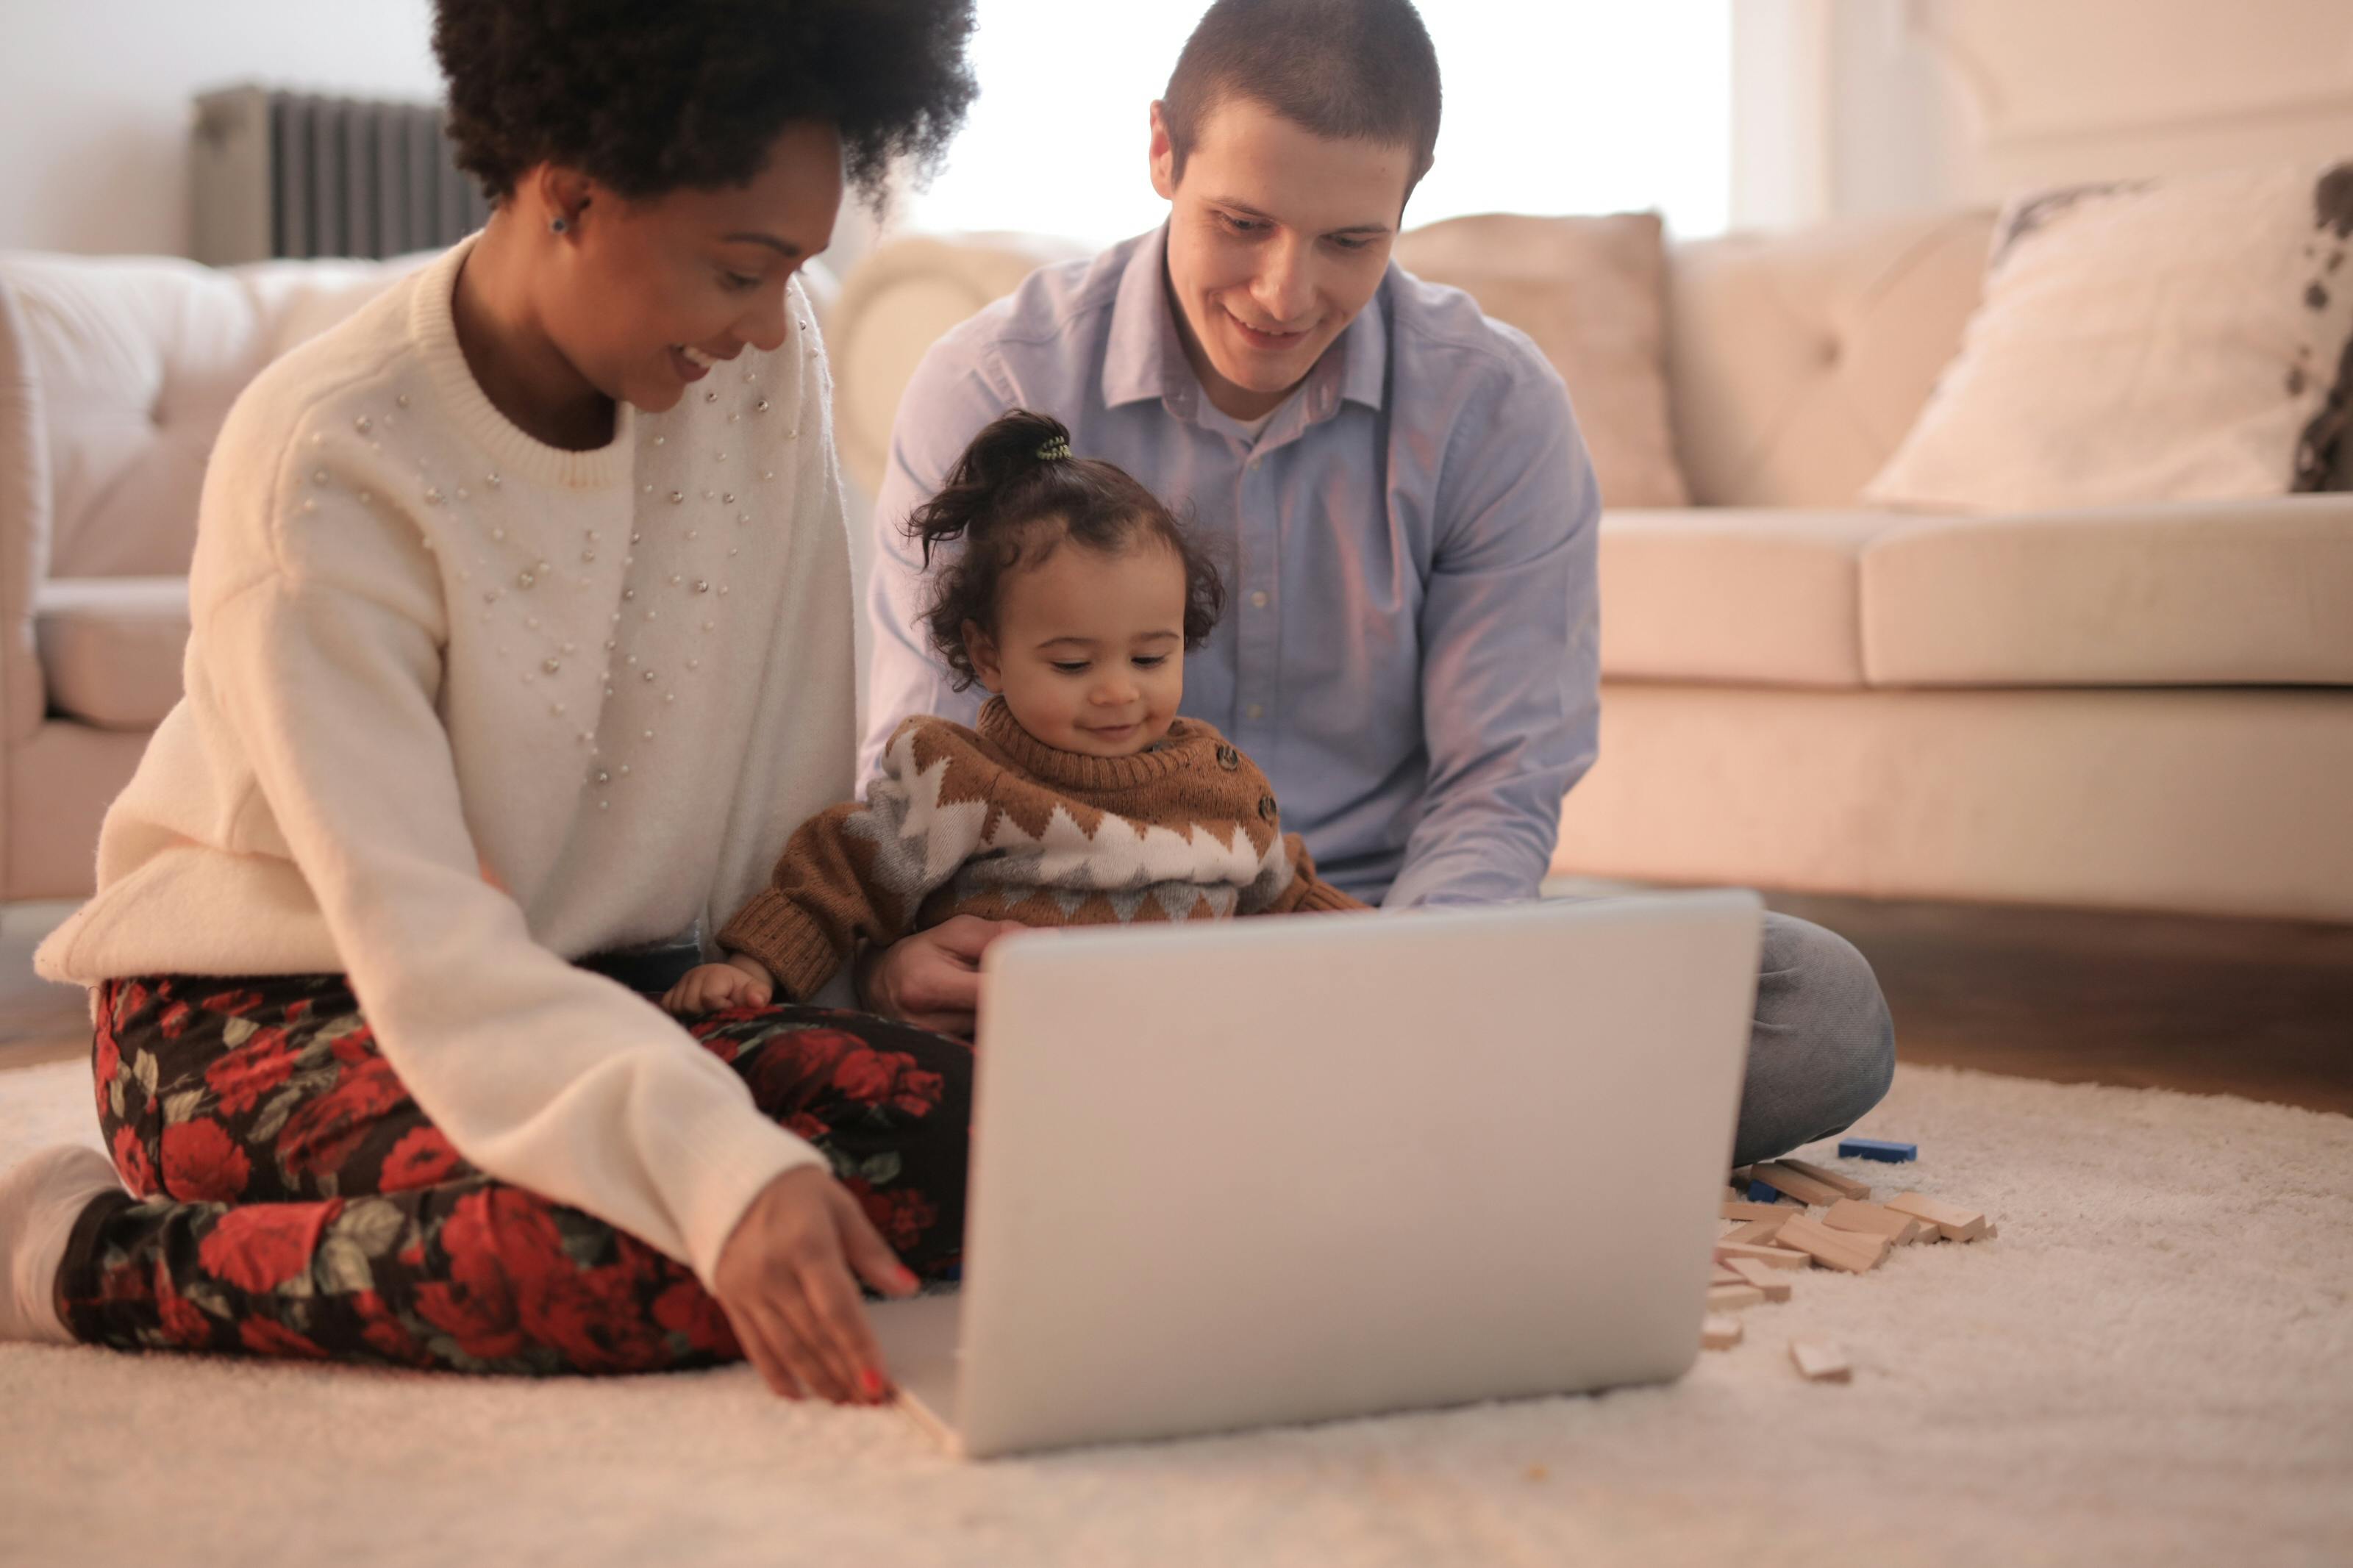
[557, 225]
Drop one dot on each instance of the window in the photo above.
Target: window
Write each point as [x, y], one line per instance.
[1580, 106]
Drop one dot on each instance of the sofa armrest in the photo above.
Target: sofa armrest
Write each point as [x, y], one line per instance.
[24, 523]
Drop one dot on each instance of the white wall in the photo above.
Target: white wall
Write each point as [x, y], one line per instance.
[1597, 106]
[94, 99]
[1855, 107]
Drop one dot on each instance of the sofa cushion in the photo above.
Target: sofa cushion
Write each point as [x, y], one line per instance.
[2146, 341]
[1766, 596]
[1591, 293]
[135, 361]
[2216, 593]
[112, 647]
[1796, 362]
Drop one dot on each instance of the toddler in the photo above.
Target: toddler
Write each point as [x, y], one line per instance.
[1082, 798]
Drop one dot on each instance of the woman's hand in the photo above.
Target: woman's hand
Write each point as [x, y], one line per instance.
[931, 979]
[784, 1280]
[740, 981]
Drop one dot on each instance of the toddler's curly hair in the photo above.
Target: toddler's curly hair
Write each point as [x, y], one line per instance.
[1014, 497]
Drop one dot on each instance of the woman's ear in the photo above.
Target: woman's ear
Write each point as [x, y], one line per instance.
[981, 649]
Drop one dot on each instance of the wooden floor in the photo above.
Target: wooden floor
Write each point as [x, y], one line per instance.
[2262, 1009]
[2258, 1008]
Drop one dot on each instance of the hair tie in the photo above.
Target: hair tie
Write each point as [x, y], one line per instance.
[1054, 451]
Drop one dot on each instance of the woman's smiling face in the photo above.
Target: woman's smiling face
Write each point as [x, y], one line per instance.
[643, 297]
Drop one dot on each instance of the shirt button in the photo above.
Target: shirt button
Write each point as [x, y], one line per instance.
[1258, 600]
[1256, 710]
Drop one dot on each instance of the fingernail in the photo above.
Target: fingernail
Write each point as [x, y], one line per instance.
[872, 1381]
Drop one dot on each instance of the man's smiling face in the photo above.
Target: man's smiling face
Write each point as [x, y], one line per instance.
[1277, 237]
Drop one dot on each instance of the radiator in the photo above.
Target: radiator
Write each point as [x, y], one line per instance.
[298, 174]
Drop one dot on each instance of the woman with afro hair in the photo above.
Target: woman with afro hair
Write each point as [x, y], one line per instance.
[521, 643]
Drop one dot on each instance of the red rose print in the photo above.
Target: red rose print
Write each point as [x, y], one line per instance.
[235, 1004]
[917, 1092]
[419, 1160]
[175, 1021]
[184, 1323]
[203, 1164]
[868, 1075]
[901, 1216]
[240, 1077]
[495, 1239]
[130, 1159]
[801, 1124]
[355, 1048]
[794, 1065]
[322, 1135]
[592, 1315]
[686, 1307]
[264, 1337]
[386, 1333]
[106, 1065]
[260, 1247]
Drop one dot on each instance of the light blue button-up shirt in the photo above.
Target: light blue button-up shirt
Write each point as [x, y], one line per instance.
[1410, 646]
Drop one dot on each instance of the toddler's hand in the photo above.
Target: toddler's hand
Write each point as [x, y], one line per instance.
[740, 981]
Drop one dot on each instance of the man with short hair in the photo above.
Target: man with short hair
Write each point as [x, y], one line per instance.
[1405, 509]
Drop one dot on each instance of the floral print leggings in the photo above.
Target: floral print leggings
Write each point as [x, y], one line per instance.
[288, 1198]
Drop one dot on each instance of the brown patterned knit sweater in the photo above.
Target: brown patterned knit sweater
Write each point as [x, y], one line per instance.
[993, 822]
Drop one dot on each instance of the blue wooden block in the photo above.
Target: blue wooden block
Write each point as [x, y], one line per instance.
[1877, 1149]
[1758, 1192]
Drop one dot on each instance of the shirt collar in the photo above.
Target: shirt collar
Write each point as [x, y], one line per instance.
[1143, 357]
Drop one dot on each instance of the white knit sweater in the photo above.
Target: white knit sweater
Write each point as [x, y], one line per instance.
[461, 707]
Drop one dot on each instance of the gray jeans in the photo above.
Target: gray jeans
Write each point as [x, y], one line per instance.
[1822, 1050]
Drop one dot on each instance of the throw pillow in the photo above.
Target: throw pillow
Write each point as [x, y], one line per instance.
[2176, 339]
[1591, 291]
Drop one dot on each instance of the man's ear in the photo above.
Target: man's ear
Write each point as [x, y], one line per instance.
[1163, 154]
[981, 649]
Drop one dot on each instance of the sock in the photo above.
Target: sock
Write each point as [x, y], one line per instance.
[40, 1202]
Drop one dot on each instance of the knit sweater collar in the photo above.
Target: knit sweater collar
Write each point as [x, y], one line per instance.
[433, 325]
[1177, 751]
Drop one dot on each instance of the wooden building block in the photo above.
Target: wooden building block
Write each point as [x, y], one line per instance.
[1797, 1183]
[1847, 1185]
[1838, 1248]
[1732, 1298]
[1871, 1219]
[1770, 1256]
[1883, 1149]
[1751, 1233]
[1955, 1224]
[1719, 1332]
[1723, 1276]
[1743, 1210]
[1774, 1282]
[1820, 1362]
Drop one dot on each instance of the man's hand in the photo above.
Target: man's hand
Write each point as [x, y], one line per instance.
[931, 979]
[784, 1280]
[740, 981]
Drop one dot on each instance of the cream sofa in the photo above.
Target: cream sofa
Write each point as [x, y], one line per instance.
[2137, 708]
[115, 375]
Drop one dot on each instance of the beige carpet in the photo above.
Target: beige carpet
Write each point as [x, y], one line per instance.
[2154, 1363]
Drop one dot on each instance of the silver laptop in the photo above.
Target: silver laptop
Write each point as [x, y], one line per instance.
[1274, 1171]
